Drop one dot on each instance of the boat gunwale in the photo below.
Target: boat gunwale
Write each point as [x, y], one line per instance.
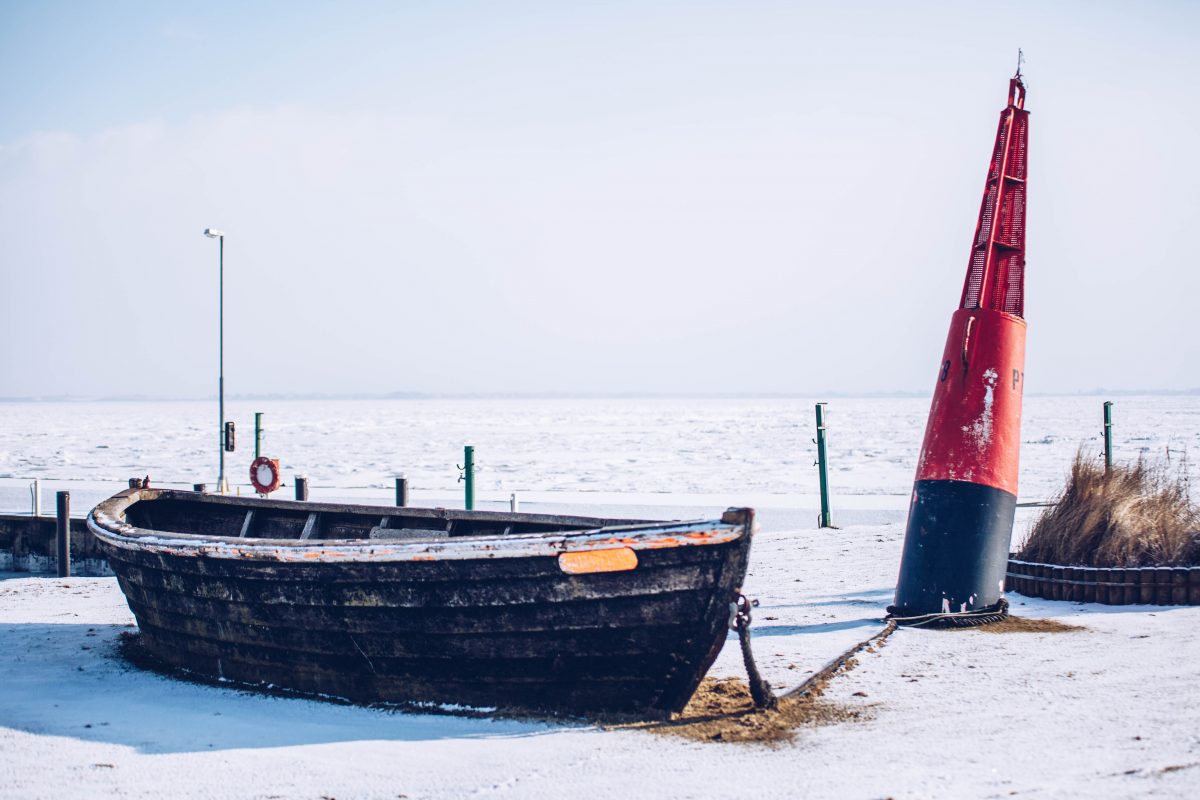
[106, 523]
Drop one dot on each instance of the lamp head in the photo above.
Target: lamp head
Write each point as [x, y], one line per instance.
[213, 233]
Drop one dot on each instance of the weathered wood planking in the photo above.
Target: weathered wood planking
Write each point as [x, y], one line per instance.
[28, 544]
[427, 605]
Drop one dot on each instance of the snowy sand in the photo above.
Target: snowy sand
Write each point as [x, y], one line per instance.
[1112, 710]
[1109, 711]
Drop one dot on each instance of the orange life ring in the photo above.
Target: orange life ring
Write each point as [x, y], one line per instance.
[264, 474]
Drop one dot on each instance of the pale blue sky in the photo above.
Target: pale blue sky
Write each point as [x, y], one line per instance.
[526, 197]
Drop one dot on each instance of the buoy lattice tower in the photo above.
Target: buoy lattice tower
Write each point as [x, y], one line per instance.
[965, 494]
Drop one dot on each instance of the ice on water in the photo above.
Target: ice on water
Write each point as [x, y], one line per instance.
[620, 446]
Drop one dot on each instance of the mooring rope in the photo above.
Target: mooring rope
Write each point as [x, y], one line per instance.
[953, 619]
[760, 689]
[813, 682]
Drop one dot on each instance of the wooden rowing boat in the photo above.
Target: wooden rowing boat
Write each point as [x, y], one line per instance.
[474, 608]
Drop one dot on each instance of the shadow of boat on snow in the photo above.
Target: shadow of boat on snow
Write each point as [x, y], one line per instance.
[72, 680]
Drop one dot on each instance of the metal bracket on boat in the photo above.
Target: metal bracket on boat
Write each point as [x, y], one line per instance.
[739, 620]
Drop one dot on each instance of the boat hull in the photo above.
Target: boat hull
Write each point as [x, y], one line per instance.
[492, 630]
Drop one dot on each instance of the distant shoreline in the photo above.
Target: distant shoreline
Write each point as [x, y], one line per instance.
[286, 396]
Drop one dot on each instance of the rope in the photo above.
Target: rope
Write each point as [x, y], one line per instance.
[959, 619]
[815, 682]
[739, 620]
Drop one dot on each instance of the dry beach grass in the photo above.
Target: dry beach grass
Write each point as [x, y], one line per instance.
[1132, 516]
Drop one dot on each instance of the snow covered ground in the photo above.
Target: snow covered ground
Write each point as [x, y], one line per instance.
[1112, 710]
[1109, 711]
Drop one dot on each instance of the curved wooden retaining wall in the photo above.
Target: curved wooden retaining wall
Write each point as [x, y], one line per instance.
[1115, 586]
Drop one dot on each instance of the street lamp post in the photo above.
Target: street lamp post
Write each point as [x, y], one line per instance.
[213, 233]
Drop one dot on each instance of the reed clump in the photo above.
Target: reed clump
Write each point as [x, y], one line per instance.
[1137, 515]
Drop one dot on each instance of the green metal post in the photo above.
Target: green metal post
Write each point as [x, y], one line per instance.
[469, 475]
[1108, 450]
[258, 432]
[823, 468]
[222, 481]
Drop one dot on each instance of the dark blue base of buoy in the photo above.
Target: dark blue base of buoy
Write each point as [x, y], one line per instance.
[956, 548]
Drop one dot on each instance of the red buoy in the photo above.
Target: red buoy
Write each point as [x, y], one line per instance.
[965, 494]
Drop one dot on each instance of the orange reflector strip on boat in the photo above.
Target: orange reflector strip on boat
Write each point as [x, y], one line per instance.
[616, 559]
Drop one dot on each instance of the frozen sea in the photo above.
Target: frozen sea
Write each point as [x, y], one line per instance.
[662, 451]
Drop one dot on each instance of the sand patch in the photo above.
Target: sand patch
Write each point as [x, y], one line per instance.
[1011, 624]
[721, 711]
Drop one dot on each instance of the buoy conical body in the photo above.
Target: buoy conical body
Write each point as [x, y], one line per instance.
[965, 494]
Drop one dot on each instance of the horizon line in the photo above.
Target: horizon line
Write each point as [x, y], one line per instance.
[549, 395]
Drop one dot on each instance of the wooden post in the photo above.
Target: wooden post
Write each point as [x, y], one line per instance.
[402, 491]
[199, 487]
[64, 534]
[1103, 578]
[301, 487]
[1116, 589]
[1179, 590]
[513, 504]
[1133, 586]
[1089, 588]
[35, 489]
[1149, 584]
